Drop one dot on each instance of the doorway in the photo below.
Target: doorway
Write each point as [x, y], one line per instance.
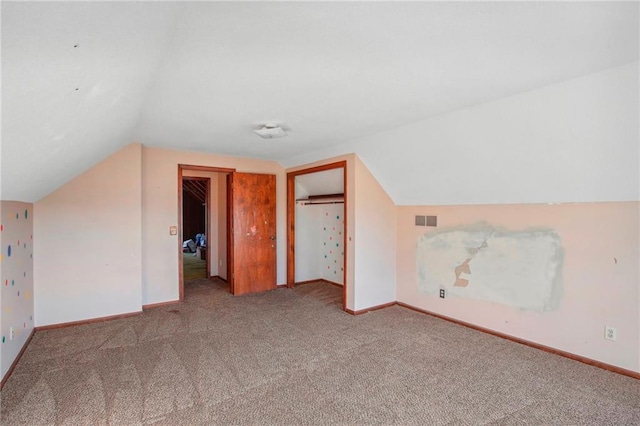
[240, 202]
[195, 227]
[317, 226]
[215, 249]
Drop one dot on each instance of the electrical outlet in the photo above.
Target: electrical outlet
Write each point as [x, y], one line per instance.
[442, 293]
[11, 333]
[610, 333]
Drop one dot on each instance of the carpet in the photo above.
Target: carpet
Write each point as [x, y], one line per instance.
[193, 267]
[292, 357]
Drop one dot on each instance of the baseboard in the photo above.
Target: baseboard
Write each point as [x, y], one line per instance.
[331, 282]
[217, 277]
[281, 286]
[160, 304]
[15, 361]
[585, 360]
[319, 280]
[87, 321]
[373, 308]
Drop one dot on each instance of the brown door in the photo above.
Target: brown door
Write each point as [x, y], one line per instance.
[252, 241]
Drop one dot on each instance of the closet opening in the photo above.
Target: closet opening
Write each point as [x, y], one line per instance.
[317, 226]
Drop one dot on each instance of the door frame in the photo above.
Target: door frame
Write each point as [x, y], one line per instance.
[291, 223]
[181, 169]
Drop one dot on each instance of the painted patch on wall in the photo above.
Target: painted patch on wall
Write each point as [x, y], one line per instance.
[516, 268]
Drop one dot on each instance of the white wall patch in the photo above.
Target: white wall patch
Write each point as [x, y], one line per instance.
[515, 268]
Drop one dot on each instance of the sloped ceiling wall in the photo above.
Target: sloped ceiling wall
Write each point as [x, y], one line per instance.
[74, 79]
[201, 75]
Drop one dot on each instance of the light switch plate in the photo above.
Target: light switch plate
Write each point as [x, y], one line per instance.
[173, 230]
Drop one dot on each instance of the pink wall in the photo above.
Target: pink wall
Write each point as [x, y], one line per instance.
[375, 232]
[600, 277]
[160, 211]
[87, 251]
[16, 284]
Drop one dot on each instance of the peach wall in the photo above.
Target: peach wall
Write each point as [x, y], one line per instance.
[375, 232]
[16, 283]
[600, 277]
[87, 250]
[160, 211]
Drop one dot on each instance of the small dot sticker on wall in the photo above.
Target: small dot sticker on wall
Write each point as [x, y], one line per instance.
[26, 214]
[13, 282]
[9, 251]
[17, 216]
[1, 227]
[2, 339]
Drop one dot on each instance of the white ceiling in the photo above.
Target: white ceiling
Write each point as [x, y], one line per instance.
[327, 182]
[200, 76]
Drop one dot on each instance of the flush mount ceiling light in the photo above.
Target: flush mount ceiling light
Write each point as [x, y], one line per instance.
[270, 131]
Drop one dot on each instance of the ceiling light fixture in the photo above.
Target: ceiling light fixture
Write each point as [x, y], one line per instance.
[270, 131]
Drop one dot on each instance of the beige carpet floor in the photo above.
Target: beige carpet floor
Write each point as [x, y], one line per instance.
[193, 267]
[292, 357]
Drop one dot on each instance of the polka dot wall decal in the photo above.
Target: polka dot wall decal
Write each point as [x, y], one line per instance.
[13, 282]
[331, 238]
[9, 251]
[337, 217]
[17, 216]
[27, 295]
[337, 245]
[1, 227]
[2, 339]
[24, 274]
[26, 214]
[18, 293]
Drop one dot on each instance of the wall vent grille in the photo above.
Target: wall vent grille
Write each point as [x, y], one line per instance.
[426, 220]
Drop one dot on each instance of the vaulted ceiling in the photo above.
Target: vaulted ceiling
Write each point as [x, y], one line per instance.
[82, 79]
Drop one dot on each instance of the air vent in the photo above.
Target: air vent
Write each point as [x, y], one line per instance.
[426, 220]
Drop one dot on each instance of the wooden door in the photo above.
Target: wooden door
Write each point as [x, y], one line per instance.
[252, 202]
